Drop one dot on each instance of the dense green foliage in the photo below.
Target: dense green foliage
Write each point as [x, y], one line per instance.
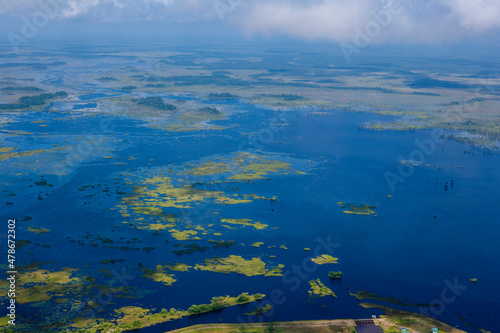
[27, 101]
[155, 102]
[222, 96]
[21, 88]
[190, 248]
[287, 97]
[210, 110]
[335, 275]
[215, 305]
[243, 298]
[221, 243]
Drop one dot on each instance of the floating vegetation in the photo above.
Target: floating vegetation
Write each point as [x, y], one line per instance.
[184, 235]
[155, 102]
[325, 259]
[394, 126]
[190, 248]
[222, 96]
[158, 192]
[319, 289]
[159, 275]
[35, 284]
[260, 310]
[237, 264]
[362, 209]
[133, 317]
[7, 153]
[259, 168]
[39, 231]
[221, 243]
[257, 244]
[209, 168]
[178, 267]
[387, 299]
[335, 275]
[245, 222]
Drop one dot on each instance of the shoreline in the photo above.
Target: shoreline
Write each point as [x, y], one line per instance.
[393, 321]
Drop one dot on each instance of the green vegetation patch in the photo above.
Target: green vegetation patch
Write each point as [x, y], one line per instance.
[155, 102]
[362, 209]
[178, 267]
[27, 101]
[39, 231]
[325, 259]
[5, 152]
[222, 96]
[237, 264]
[319, 289]
[221, 243]
[260, 310]
[159, 275]
[209, 168]
[259, 168]
[133, 317]
[335, 275]
[387, 299]
[34, 285]
[190, 248]
[245, 222]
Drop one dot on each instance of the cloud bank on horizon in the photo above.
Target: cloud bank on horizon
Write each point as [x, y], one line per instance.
[411, 21]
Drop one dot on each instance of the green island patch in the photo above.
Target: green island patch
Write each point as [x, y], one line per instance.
[335, 275]
[260, 310]
[6, 152]
[362, 209]
[245, 222]
[209, 168]
[393, 300]
[34, 285]
[133, 317]
[159, 275]
[39, 231]
[239, 265]
[259, 168]
[319, 289]
[184, 235]
[324, 259]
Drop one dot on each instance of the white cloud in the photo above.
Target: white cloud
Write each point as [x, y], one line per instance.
[422, 21]
[476, 15]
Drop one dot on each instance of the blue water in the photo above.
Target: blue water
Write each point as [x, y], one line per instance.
[424, 235]
[88, 97]
[84, 106]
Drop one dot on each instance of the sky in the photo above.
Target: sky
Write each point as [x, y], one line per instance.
[354, 22]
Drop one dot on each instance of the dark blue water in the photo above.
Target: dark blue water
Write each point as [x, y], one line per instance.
[428, 233]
